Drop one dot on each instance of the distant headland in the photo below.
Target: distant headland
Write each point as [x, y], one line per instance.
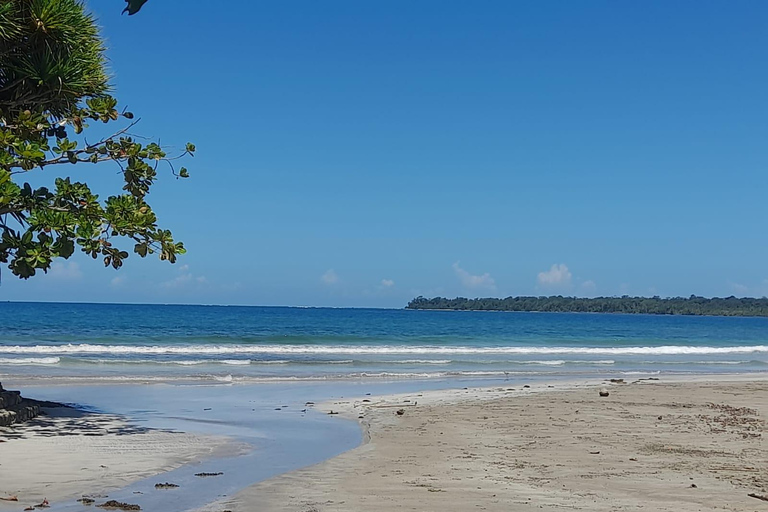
[693, 305]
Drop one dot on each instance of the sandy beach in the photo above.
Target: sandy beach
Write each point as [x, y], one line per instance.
[650, 445]
[67, 453]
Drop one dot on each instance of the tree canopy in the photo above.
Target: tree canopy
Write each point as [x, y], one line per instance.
[693, 305]
[53, 84]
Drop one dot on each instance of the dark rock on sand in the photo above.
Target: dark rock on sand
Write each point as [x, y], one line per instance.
[119, 505]
[209, 474]
[166, 485]
[15, 409]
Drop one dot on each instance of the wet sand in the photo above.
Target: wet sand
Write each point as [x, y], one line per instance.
[650, 445]
[67, 453]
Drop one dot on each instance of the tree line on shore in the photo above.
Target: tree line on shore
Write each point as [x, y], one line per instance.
[693, 305]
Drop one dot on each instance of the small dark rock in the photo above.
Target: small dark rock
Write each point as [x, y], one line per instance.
[114, 504]
[166, 485]
[400, 412]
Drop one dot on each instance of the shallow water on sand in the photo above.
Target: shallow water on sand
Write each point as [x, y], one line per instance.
[272, 418]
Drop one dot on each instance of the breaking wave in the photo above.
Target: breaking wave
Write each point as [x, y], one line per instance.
[191, 350]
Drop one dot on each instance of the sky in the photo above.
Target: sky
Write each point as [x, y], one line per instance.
[363, 153]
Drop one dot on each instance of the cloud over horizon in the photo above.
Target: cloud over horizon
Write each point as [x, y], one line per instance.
[65, 270]
[184, 278]
[558, 276]
[474, 282]
[330, 277]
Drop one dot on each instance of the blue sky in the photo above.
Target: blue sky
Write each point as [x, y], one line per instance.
[361, 153]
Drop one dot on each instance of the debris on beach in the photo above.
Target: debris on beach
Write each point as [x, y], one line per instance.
[9, 498]
[119, 505]
[400, 412]
[203, 475]
[332, 412]
[617, 381]
[87, 501]
[758, 496]
[604, 392]
[166, 485]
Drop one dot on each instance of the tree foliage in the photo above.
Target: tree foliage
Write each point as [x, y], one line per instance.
[693, 305]
[53, 84]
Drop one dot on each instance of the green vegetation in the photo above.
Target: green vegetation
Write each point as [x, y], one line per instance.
[693, 305]
[53, 83]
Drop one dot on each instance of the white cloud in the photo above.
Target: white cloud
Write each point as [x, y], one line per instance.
[184, 279]
[117, 281]
[330, 277]
[387, 283]
[65, 270]
[738, 289]
[558, 276]
[474, 282]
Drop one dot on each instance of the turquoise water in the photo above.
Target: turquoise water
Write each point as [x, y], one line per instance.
[263, 343]
[284, 357]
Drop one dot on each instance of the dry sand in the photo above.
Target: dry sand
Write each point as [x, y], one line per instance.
[67, 453]
[654, 446]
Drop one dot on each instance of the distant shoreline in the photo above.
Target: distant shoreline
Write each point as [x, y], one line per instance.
[671, 306]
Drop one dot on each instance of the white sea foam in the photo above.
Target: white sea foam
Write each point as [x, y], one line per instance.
[85, 348]
[29, 360]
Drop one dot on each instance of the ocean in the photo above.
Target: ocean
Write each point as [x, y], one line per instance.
[230, 343]
[249, 373]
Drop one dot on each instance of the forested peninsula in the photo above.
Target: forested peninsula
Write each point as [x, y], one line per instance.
[693, 305]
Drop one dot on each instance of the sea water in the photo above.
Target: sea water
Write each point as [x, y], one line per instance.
[248, 372]
[252, 344]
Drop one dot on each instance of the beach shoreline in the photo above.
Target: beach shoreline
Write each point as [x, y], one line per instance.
[679, 443]
[389, 422]
[68, 453]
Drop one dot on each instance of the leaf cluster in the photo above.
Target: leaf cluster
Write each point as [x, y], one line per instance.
[51, 223]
